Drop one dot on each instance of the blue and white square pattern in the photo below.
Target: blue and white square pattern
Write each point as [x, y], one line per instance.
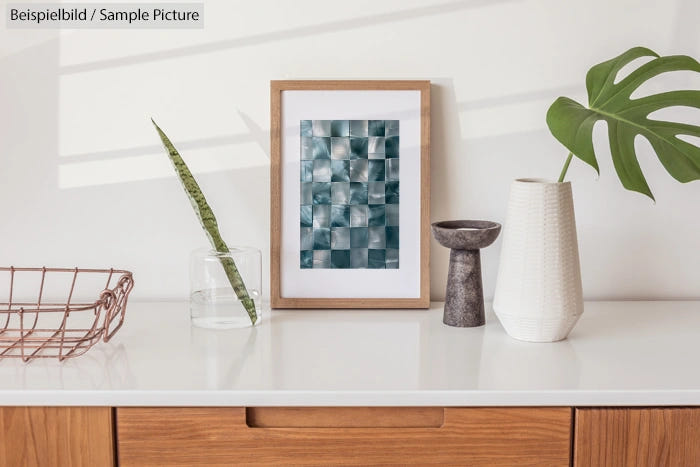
[349, 194]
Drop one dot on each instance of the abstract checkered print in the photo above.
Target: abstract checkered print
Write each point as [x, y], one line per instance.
[349, 194]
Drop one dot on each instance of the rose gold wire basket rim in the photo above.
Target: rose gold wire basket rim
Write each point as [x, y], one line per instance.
[63, 341]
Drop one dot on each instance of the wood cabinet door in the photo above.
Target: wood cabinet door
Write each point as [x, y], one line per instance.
[347, 436]
[637, 437]
[56, 436]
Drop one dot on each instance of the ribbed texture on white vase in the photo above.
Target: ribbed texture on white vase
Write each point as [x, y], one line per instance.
[538, 291]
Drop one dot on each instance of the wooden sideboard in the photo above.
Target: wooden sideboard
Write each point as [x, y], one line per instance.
[622, 390]
[498, 436]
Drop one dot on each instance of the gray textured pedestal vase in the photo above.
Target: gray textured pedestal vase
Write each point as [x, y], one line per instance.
[464, 297]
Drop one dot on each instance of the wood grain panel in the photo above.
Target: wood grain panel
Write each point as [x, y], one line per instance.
[637, 437]
[220, 436]
[56, 436]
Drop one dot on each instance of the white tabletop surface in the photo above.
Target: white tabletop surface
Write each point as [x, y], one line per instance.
[620, 353]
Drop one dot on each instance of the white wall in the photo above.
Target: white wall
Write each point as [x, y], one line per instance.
[84, 181]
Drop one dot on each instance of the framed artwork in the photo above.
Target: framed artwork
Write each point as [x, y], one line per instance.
[350, 194]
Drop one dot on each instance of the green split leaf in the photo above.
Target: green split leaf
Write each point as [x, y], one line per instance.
[572, 123]
[209, 224]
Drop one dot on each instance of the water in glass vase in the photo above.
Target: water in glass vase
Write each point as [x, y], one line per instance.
[221, 309]
[213, 302]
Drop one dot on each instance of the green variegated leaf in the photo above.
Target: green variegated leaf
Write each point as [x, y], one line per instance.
[206, 218]
[572, 123]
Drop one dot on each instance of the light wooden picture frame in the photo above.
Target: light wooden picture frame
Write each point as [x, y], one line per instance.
[350, 194]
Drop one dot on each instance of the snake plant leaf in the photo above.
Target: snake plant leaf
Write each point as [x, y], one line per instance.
[208, 221]
[572, 123]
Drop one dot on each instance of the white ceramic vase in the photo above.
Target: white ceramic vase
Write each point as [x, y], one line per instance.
[538, 291]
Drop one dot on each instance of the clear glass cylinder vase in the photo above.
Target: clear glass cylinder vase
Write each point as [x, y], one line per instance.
[219, 283]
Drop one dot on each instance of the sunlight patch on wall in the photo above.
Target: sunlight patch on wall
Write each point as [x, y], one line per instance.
[154, 166]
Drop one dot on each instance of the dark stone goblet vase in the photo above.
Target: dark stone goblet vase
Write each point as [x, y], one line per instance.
[464, 298]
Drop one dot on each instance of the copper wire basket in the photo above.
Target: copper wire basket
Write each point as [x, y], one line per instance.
[60, 312]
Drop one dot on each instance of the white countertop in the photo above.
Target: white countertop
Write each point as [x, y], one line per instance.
[620, 353]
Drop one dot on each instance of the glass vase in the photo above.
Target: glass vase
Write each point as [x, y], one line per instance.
[213, 301]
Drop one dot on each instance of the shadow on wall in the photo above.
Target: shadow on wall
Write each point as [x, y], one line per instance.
[59, 224]
[292, 33]
[255, 134]
[444, 127]
[29, 96]
[687, 33]
[130, 218]
[100, 225]
[455, 171]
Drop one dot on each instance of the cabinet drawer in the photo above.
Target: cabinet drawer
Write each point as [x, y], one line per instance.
[637, 437]
[56, 436]
[349, 436]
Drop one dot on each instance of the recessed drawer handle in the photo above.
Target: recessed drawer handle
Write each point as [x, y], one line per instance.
[345, 417]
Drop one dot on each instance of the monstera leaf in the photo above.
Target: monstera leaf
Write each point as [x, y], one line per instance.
[572, 123]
